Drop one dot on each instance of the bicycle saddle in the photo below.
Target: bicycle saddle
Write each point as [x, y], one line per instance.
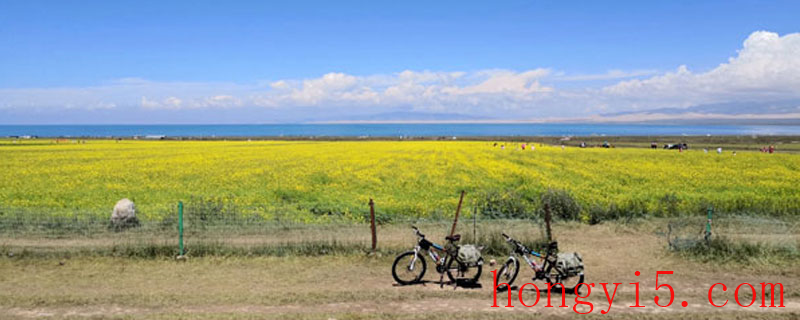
[453, 238]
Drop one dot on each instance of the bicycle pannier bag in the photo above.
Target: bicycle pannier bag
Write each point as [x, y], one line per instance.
[469, 255]
[570, 263]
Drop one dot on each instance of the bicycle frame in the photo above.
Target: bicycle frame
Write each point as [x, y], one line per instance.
[432, 248]
[445, 260]
[431, 253]
[547, 271]
[439, 254]
[532, 263]
[542, 270]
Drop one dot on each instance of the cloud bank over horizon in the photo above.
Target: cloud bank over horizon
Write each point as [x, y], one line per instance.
[767, 67]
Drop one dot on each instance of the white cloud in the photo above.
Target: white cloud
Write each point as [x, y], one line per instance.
[222, 101]
[149, 104]
[330, 87]
[609, 75]
[172, 103]
[175, 103]
[505, 82]
[767, 67]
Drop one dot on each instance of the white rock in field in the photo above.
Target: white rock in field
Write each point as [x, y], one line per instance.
[124, 214]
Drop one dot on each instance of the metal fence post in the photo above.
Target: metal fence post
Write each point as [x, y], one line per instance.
[708, 226]
[180, 227]
[372, 225]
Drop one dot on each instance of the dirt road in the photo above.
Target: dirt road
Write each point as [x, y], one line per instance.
[357, 286]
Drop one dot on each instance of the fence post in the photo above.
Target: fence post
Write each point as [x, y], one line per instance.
[547, 218]
[180, 227]
[708, 226]
[458, 210]
[474, 224]
[372, 225]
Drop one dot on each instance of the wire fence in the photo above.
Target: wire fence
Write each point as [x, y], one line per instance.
[220, 229]
[745, 230]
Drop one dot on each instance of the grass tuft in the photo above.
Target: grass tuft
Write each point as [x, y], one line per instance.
[724, 250]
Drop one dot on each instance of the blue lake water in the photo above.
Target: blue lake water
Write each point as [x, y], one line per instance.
[391, 130]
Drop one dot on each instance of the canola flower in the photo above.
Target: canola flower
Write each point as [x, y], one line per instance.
[406, 178]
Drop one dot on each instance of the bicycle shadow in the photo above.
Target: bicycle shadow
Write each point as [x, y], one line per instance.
[460, 283]
[542, 290]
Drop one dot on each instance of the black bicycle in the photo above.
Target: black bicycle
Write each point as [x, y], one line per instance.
[410, 266]
[549, 271]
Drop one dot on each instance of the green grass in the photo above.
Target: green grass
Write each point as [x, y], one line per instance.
[725, 250]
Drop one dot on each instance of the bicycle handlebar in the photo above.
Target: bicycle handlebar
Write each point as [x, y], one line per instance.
[416, 231]
[523, 248]
[516, 243]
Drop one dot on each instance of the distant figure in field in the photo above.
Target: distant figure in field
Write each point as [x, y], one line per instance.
[719, 150]
[502, 147]
[583, 144]
[771, 149]
[705, 150]
[495, 144]
[653, 145]
[606, 145]
[679, 146]
[523, 146]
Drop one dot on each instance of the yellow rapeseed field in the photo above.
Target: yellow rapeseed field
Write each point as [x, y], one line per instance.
[308, 179]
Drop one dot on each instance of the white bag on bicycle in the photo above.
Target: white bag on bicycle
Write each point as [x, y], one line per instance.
[470, 255]
[570, 263]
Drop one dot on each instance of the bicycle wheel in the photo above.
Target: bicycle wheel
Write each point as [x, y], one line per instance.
[571, 283]
[463, 272]
[508, 273]
[403, 273]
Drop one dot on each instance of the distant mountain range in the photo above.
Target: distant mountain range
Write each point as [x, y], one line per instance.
[745, 112]
[411, 116]
[729, 108]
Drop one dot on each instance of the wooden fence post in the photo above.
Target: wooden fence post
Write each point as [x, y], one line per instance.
[452, 232]
[547, 218]
[475, 224]
[458, 210]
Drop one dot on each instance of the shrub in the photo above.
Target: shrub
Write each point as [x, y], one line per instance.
[503, 205]
[628, 211]
[562, 205]
[669, 205]
[598, 214]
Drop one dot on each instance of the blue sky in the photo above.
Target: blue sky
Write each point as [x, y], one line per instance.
[158, 59]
